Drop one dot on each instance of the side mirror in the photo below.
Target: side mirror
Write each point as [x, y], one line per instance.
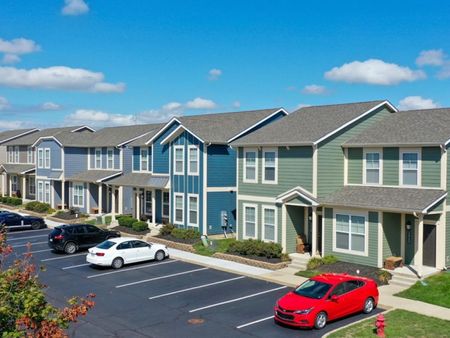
[334, 298]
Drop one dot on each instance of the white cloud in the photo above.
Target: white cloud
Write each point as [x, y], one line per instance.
[4, 125]
[75, 7]
[200, 103]
[236, 104]
[157, 115]
[18, 46]
[50, 106]
[214, 74]
[3, 103]
[444, 73]
[374, 71]
[416, 102]
[432, 57]
[314, 90]
[172, 106]
[97, 117]
[58, 77]
[9, 59]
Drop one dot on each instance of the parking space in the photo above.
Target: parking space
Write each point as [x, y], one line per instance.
[171, 298]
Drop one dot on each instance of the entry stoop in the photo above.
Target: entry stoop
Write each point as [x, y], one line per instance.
[407, 276]
[299, 261]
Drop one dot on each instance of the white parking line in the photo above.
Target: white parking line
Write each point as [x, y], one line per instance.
[161, 277]
[22, 231]
[196, 287]
[254, 322]
[19, 238]
[37, 251]
[237, 299]
[22, 245]
[136, 268]
[62, 257]
[75, 266]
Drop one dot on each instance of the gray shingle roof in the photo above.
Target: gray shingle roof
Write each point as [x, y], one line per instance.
[385, 198]
[306, 125]
[93, 175]
[140, 141]
[12, 134]
[11, 168]
[140, 180]
[32, 138]
[414, 127]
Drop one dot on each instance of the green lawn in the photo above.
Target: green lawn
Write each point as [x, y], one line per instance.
[308, 273]
[437, 290]
[219, 245]
[399, 323]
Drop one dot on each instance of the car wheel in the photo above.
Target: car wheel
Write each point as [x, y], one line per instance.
[160, 255]
[369, 305]
[117, 263]
[321, 320]
[70, 248]
[35, 225]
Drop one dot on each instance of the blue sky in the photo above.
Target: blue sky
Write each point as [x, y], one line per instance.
[110, 62]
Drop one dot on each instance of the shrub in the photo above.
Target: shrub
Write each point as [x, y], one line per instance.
[38, 207]
[314, 263]
[127, 221]
[139, 226]
[11, 201]
[166, 229]
[185, 233]
[258, 248]
[329, 259]
[384, 276]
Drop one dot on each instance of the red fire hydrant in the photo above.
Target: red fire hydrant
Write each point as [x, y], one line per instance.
[380, 325]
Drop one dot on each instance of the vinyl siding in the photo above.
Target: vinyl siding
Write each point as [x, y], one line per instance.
[75, 160]
[93, 196]
[221, 164]
[127, 154]
[218, 201]
[390, 166]
[447, 240]
[55, 157]
[431, 167]
[295, 224]
[161, 152]
[355, 165]
[128, 200]
[391, 234]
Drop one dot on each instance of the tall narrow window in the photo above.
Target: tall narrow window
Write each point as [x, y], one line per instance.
[31, 186]
[40, 191]
[47, 193]
[410, 168]
[148, 202]
[30, 158]
[98, 158]
[250, 221]
[144, 159]
[78, 195]
[14, 183]
[373, 168]
[9, 150]
[269, 223]
[250, 166]
[40, 158]
[270, 166]
[193, 160]
[179, 208]
[179, 160]
[193, 210]
[16, 154]
[47, 158]
[110, 159]
[165, 203]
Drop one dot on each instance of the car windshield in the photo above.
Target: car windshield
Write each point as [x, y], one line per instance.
[106, 245]
[313, 289]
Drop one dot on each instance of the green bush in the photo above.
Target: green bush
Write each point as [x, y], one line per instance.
[185, 233]
[329, 259]
[258, 248]
[139, 226]
[127, 221]
[11, 200]
[38, 207]
[315, 262]
[166, 229]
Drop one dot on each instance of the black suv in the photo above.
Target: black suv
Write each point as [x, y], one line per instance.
[15, 221]
[71, 237]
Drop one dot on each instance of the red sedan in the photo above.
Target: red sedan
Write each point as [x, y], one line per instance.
[326, 297]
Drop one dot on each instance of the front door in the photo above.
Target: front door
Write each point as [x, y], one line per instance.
[319, 233]
[429, 245]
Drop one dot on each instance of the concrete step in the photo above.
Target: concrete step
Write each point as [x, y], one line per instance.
[403, 275]
[401, 282]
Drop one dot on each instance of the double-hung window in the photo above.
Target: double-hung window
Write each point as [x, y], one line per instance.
[47, 158]
[270, 227]
[410, 168]
[40, 191]
[47, 192]
[373, 161]
[30, 158]
[110, 158]
[270, 165]
[179, 208]
[16, 154]
[9, 150]
[251, 166]
[98, 158]
[144, 159]
[148, 202]
[14, 183]
[165, 203]
[250, 220]
[179, 160]
[193, 210]
[31, 186]
[193, 160]
[350, 233]
[40, 158]
[78, 195]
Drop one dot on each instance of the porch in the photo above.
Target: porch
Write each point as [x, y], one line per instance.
[18, 180]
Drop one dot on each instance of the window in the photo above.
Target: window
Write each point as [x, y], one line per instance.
[193, 160]
[98, 159]
[350, 233]
[179, 160]
[91, 229]
[40, 191]
[270, 166]
[269, 218]
[139, 244]
[30, 158]
[40, 158]
[410, 168]
[47, 158]
[124, 245]
[179, 208]
[16, 154]
[78, 195]
[47, 192]
[9, 150]
[250, 166]
[144, 159]
[193, 210]
[110, 159]
[148, 202]
[14, 183]
[165, 204]
[373, 168]
[250, 221]
[31, 186]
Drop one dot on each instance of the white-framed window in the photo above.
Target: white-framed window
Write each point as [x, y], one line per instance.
[250, 221]
[144, 159]
[98, 158]
[193, 210]
[372, 167]
[193, 160]
[165, 204]
[78, 195]
[270, 229]
[9, 150]
[30, 157]
[178, 160]
[270, 165]
[14, 183]
[110, 158]
[40, 153]
[40, 191]
[47, 158]
[250, 165]
[31, 186]
[179, 208]
[410, 168]
[350, 234]
[47, 192]
[148, 202]
[16, 154]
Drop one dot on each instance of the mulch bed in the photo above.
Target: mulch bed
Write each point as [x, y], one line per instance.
[350, 268]
[259, 258]
[130, 230]
[179, 240]
[67, 216]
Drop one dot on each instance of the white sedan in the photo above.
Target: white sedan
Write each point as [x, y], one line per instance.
[116, 252]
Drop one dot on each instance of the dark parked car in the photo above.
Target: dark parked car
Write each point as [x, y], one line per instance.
[71, 237]
[15, 221]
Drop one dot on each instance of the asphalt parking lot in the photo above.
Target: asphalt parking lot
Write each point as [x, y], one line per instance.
[171, 298]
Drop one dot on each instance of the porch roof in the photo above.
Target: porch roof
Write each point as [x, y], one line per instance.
[386, 198]
[298, 195]
[96, 176]
[17, 168]
[140, 180]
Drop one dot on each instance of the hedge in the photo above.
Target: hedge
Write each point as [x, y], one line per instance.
[251, 247]
[185, 233]
[127, 221]
[140, 226]
[11, 200]
[38, 207]
[166, 229]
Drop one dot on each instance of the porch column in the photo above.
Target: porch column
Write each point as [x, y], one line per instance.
[418, 257]
[107, 199]
[138, 204]
[24, 187]
[10, 185]
[153, 206]
[314, 232]
[121, 200]
[283, 227]
[113, 204]
[4, 188]
[100, 199]
[63, 195]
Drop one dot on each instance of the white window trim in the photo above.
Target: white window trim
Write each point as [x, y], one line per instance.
[275, 209]
[15, 182]
[146, 201]
[16, 154]
[419, 166]
[244, 206]
[47, 184]
[29, 154]
[175, 160]
[95, 158]
[40, 158]
[30, 181]
[264, 150]
[49, 158]
[107, 158]
[175, 195]
[40, 191]
[380, 153]
[189, 210]
[82, 195]
[366, 232]
[140, 158]
[244, 178]
[162, 203]
[192, 146]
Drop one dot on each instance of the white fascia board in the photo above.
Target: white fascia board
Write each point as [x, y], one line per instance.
[131, 140]
[425, 210]
[83, 127]
[108, 177]
[46, 138]
[178, 131]
[297, 191]
[163, 129]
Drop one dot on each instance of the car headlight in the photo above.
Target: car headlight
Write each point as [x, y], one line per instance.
[303, 312]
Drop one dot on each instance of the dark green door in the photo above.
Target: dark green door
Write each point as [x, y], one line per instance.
[429, 245]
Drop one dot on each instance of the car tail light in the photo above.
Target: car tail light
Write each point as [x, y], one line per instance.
[59, 237]
[101, 254]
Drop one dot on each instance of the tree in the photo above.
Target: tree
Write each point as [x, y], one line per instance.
[24, 310]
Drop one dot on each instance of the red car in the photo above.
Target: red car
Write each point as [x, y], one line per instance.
[326, 297]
